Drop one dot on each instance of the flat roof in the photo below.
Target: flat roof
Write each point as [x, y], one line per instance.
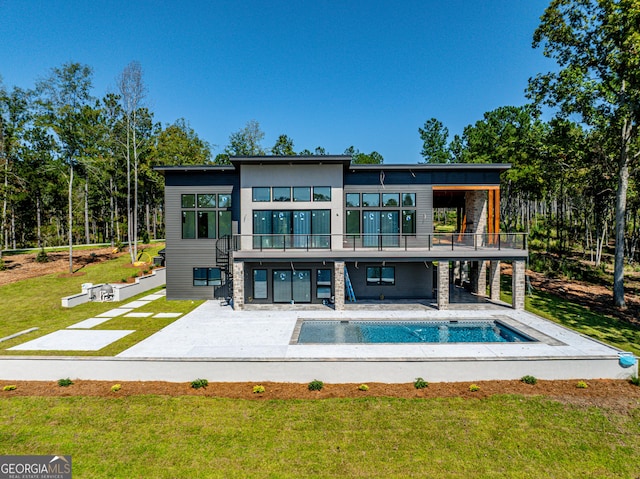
[344, 160]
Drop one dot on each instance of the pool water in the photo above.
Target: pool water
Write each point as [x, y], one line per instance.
[359, 331]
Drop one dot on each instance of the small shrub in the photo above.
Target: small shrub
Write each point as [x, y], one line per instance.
[420, 383]
[115, 388]
[42, 257]
[635, 380]
[10, 387]
[3, 266]
[145, 271]
[199, 383]
[315, 385]
[134, 275]
[474, 387]
[258, 389]
[123, 280]
[93, 257]
[145, 237]
[582, 385]
[529, 379]
[363, 387]
[63, 383]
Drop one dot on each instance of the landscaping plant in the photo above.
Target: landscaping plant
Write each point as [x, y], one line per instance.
[199, 383]
[65, 382]
[420, 383]
[315, 385]
[529, 379]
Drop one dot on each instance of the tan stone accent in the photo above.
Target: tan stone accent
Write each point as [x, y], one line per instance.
[443, 284]
[238, 285]
[518, 284]
[338, 280]
[494, 280]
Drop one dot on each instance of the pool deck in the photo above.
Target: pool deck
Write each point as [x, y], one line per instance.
[220, 344]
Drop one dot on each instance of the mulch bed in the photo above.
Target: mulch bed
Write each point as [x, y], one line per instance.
[615, 394]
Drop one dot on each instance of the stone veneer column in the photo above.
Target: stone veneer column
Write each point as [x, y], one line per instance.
[238, 285]
[338, 285]
[478, 277]
[494, 280]
[476, 210]
[517, 284]
[443, 284]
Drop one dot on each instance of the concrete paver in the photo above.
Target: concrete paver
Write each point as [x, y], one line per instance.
[72, 340]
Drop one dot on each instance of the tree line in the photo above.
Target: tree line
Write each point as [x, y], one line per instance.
[78, 169]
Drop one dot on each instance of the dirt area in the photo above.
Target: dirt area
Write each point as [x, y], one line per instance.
[25, 266]
[613, 394]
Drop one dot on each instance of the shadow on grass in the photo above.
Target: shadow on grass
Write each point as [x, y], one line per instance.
[604, 328]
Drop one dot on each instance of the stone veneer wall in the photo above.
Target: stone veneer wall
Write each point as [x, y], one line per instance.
[238, 285]
[443, 284]
[518, 284]
[478, 277]
[494, 280]
[338, 279]
[476, 210]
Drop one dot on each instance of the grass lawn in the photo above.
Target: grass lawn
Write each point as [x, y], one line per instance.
[36, 302]
[169, 437]
[599, 326]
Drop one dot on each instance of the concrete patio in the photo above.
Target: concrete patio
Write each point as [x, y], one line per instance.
[220, 344]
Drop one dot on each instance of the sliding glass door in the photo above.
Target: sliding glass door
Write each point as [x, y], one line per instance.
[291, 286]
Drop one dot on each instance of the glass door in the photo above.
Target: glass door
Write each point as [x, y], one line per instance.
[301, 286]
[282, 286]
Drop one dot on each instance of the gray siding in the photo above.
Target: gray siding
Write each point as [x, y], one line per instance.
[183, 255]
[413, 281]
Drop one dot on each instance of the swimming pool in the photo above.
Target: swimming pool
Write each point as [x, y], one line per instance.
[368, 331]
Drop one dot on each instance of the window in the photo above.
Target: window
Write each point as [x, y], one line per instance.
[408, 222]
[323, 284]
[381, 275]
[291, 229]
[353, 222]
[207, 201]
[321, 193]
[409, 199]
[206, 215]
[224, 201]
[370, 199]
[188, 201]
[188, 224]
[301, 193]
[390, 199]
[353, 200]
[207, 224]
[259, 284]
[281, 193]
[261, 193]
[207, 277]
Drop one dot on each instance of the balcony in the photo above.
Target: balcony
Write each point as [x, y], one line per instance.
[393, 245]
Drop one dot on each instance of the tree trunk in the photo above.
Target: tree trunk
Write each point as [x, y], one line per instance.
[621, 207]
[87, 236]
[112, 210]
[70, 219]
[39, 221]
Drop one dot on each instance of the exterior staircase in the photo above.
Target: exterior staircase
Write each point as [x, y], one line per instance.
[224, 260]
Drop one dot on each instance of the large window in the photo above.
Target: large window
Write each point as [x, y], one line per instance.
[291, 229]
[206, 215]
[384, 225]
[260, 284]
[207, 277]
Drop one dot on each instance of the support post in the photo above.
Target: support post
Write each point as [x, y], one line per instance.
[238, 285]
[443, 284]
[518, 284]
[338, 285]
[494, 280]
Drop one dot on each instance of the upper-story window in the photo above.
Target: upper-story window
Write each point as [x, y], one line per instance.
[261, 193]
[301, 193]
[284, 193]
[206, 215]
[380, 217]
[370, 199]
[353, 200]
[321, 193]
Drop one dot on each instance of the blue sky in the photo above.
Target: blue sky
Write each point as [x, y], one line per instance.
[326, 73]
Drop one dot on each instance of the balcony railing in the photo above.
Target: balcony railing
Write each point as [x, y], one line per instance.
[381, 242]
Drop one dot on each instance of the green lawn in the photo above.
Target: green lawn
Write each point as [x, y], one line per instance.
[36, 302]
[170, 437]
[599, 326]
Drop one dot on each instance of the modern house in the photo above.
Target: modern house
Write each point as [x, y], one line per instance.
[318, 229]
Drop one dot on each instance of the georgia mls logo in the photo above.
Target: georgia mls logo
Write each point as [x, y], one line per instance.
[35, 467]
